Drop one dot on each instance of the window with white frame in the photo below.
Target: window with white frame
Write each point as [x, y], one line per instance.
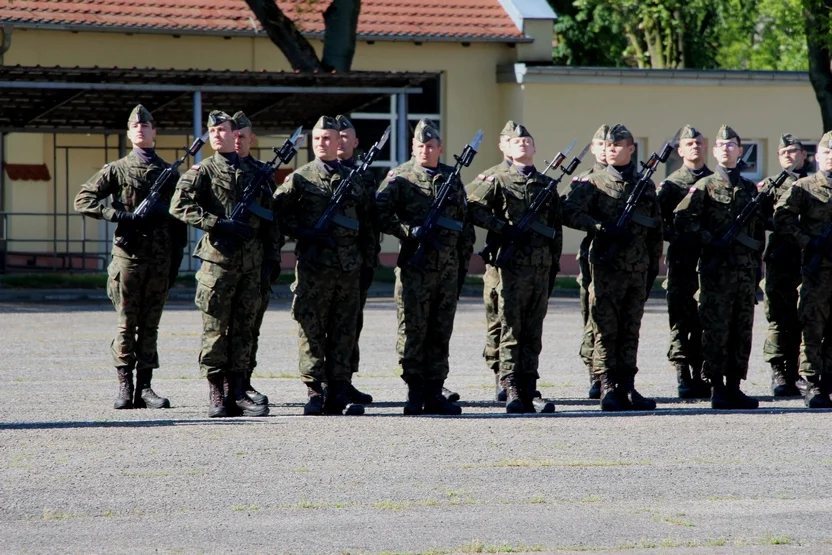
[754, 169]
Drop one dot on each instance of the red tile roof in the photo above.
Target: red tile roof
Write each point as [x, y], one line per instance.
[463, 20]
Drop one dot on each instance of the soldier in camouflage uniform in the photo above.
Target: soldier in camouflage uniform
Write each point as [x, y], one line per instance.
[328, 272]
[232, 252]
[139, 281]
[619, 284]
[685, 352]
[584, 274]
[426, 297]
[726, 295]
[497, 202]
[782, 258]
[346, 154]
[804, 214]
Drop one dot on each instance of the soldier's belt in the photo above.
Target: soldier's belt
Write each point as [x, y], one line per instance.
[747, 241]
[345, 221]
[448, 223]
[645, 221]
[546, 231]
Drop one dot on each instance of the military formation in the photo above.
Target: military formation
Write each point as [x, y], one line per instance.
[334, 210]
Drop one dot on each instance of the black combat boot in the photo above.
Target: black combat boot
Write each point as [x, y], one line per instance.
[415, 404]
[613, 397]
[436, 402]
[231, 408]
[358, 397]
[256, 397]
[499, 390]
[730, 396]
[125, 389]
[514, 403]
[782, 382]
[315, 404]
[246, 405]
[451, 396]
[216, 406]
[816, 393]
[637, 401]
[594, 386]
[684, 380]
[145, 397]
[701, 386]
[533, 401]
[336, 399]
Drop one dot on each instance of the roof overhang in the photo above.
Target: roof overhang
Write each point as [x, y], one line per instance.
[48, 99]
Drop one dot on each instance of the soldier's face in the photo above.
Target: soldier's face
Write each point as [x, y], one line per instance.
[325, 144]
[244, 141]
[141, 135]
[727, 152]
[427, 154]
[522, 150]
[347, 141]
[598, 149]
[504, 145]
[692, 150]
[791, 157]
[222, 137]
[619, 152]
[824, 159]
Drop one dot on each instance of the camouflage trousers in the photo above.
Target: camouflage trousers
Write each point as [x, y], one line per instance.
[426, 306]
[683, 315]
[326, 308]
[726, 312]
[265, 297]
[524, 300]
[616, 306]
[138, 290]
[588, 338]
[780, 302]
[815, 311]
[491, 299]
[355, 358]
[229, 299]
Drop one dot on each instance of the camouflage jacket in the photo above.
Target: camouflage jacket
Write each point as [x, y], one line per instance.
[302, 199]
[805, 211]
[503, 194]
[600, 199]
[583, 250]
[712, 205]
[670, 193]
[208, 192]
[370, 184]
[129, 180]
[403, 202]
[781, 249]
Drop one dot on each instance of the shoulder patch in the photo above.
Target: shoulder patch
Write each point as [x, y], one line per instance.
[576, 179]
[105, 166]
[287, 178]
[490, 179]
[195, 166]
[661, 184]
[692, 189]
[391, 173]
[481, 177]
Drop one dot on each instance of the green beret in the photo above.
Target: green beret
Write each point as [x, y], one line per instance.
[618, 132]
[508, 128]
[601, 134]
[726, 133]
[327, 122]
[218, 117]
[241, 120]
[689, 132]
[790, 140]
[426, 130]
[344, 122]
[518, 131]
[140, 114]
[826, 140]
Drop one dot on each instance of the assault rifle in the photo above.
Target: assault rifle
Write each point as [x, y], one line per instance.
[247, 204]
[126, 234]
[648, 169]
[435, 217]
[529, 220]
[332, 214]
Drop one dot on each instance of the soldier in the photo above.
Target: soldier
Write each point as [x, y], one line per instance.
[685, 352]
[584, 275]
[328, 272]
[229, 281]
[782, 258]
[346, 154]
[426, 297]
[139, 271]
[726, 295]
[497, 202]
[804, 214]
[619, 284]
[270, 269]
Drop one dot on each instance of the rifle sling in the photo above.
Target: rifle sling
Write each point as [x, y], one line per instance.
[448, 223]
[345, 221]
[747, 241]
[645, 221]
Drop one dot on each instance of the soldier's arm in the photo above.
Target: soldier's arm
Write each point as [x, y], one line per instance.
[88, 200]
[654, 236]
[786, 214]
[556, 244]
[766, 211]
[577, 207]
[482, 203]
[184, 205]
[668, 198]
[688, 213]
[387, 199]
[368, 237]
[285, 201]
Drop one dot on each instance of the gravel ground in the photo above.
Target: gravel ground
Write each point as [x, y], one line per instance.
[78, 476]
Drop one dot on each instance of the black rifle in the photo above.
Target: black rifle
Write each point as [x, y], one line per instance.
[813, 267]
[332, 214]
[126, 234]
[509, 246]
[648, 169]
[247, 204]
[434, 217]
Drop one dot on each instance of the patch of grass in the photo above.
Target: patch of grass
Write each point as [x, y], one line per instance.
[390, 505]
[537, 500]
[675, 520]
[777, 540]
[716, 542]
[51, 514]
[306, 504]
[245, 508]
[591, 499]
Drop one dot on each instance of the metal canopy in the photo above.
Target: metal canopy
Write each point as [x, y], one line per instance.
[56, 99]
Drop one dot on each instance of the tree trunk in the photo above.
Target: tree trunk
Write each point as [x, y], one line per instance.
[285, 35]
[341, 22]
[820, 71]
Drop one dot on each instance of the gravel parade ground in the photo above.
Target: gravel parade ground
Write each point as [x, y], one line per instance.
[77, 476]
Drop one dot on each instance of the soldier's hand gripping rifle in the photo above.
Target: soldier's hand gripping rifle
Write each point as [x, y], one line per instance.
[247, 204]
[425, 232]
[509, 244]
[126, 235]
[614, 244]
[332, 214]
